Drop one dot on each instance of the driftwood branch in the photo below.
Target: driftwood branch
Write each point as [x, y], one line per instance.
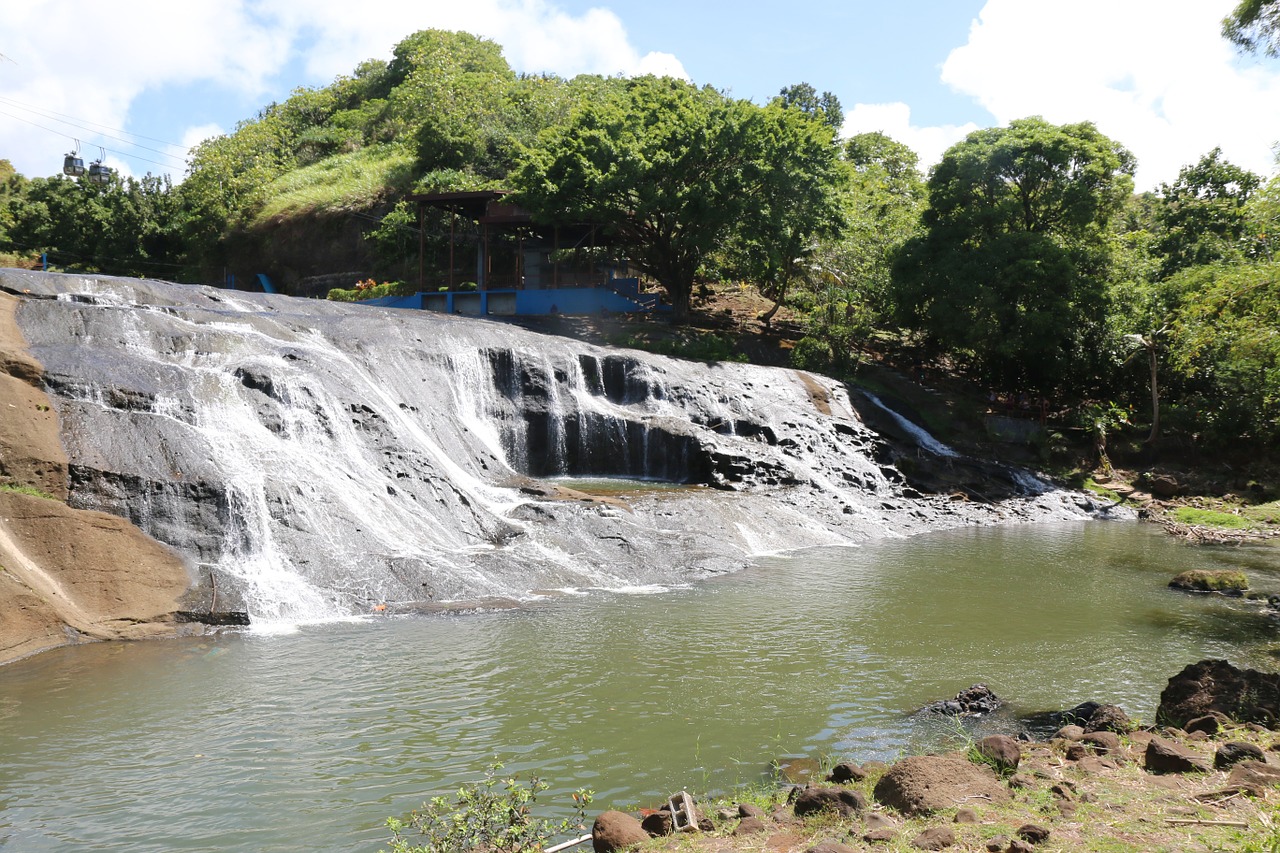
[1180, 821]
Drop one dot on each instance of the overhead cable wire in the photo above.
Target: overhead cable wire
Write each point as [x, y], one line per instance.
[75, 139]
[106, 135]
[82, 122]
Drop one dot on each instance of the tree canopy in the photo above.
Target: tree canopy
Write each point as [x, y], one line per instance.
[675, 173]
[1011, 270]
[1254, 26]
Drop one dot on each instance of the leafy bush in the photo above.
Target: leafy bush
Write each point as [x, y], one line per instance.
[493, 815]
[813, 354]
[1208, 517]
[371, 290]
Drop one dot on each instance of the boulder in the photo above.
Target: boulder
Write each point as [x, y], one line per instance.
[1165, 756]
[934, 838]
[883, 835]
[1232, 753]
[1103, 742]
[1253, 777]
[1226, 581]
[842, 801]
[923, 784]
[1244, 695]
[750, 826]
[1033, 833]
[750, 810]
[1071, 732]
[973, 702]
[1210, 724]
[1001, 751]
[1109, 718]
[830, 847]
[847, 773]
[658, 824]
[615, 831]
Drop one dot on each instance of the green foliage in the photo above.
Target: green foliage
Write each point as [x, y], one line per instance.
[494, 815]
[825, 107]
[30, 491]
[1254, 26]
[1203, 215]
[1209, 518]
[1010, 274]
[812, 354]
[355, 181]
[1224, 347]
[371, 290]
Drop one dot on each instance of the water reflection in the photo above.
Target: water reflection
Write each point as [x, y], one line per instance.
[244, 742]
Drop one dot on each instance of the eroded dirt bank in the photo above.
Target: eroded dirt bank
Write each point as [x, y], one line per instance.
[66, 575]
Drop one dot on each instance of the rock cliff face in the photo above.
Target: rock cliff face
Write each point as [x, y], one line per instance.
[309, 459]
[65, 574]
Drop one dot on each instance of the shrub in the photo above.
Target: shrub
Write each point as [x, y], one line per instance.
[493, 815]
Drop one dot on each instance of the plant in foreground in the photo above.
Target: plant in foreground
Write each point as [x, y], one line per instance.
[493, 815]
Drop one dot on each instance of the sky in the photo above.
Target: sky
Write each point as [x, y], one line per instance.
[139, 82]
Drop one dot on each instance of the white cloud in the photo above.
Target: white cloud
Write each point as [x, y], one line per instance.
[1155, 75]
[894, 120]
[92, 63]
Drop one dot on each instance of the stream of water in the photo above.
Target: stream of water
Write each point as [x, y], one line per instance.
[310, 739]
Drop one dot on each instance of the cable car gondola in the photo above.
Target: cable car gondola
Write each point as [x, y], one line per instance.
[73, 163]
[99, 173]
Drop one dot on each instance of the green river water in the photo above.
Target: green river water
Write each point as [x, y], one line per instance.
[310, 739]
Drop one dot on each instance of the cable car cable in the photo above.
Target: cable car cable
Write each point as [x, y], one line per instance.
[51, 113]
[66, 136]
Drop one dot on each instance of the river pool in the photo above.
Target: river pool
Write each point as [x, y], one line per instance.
[309, 739]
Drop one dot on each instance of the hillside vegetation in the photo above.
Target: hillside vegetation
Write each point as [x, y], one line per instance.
[1023, 263]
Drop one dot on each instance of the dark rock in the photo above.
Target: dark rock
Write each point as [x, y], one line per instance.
[1226, 581]
[1022, 780]
[1071, 732]
[1001, 751]
[1232, 753]
[883, 835]
[1253, 777]
[973, 702]
[1109, 718]
[658, 824]
[1033, 833]
[995, 845]
[750, 810]
[1063, 791]
[934, 838]
[1093, 766]
[847, 773]
[966, 816]
[1210, 724]
[1165, 756]
[879, 820]
[1017, 845]
[750, 826]
[1076, 751]
[844, 802]
[615, 831]
[1247, 696]
[1068, 808]
[923, 784]
[1104, 742]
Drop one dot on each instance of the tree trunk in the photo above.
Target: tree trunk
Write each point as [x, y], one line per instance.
[1155, 396]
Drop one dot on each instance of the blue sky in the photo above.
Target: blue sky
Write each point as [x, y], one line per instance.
[126, 78]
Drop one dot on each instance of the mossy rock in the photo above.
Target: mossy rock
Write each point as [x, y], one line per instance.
[1211, 580]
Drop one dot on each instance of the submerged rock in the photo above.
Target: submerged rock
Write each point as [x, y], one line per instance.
[1226, 581]
[975, 701]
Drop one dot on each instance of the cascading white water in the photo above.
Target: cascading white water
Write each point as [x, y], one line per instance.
[320, 459]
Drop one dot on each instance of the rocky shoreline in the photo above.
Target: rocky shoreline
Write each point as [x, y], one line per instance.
[1204, 777]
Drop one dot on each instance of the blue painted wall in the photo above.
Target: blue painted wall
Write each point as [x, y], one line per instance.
[529, 303]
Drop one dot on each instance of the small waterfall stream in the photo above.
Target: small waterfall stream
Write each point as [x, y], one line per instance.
[312, 460]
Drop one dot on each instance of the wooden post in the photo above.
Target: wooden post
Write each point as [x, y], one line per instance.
[422, 244]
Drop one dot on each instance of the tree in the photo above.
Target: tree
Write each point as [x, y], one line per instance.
[805, 98]
[1202, 215]
[671, 172]
[1010, 273]
[791, 177]
[1254, 26]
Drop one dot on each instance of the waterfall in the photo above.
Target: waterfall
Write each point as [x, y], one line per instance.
[313, 460]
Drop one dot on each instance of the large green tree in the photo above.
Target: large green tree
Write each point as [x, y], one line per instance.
[675, 173]
[1203, 214]
[1010, 273]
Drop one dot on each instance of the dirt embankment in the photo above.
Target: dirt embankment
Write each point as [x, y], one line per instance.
[66, 575]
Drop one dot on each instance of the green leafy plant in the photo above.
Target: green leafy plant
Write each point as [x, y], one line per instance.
[494, 815]
[32, 491]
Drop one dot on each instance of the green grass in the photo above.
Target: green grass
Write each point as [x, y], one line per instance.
[1209, 518]
[344, 182]
[1100, 491]
[1268, 513]
[26, 490]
